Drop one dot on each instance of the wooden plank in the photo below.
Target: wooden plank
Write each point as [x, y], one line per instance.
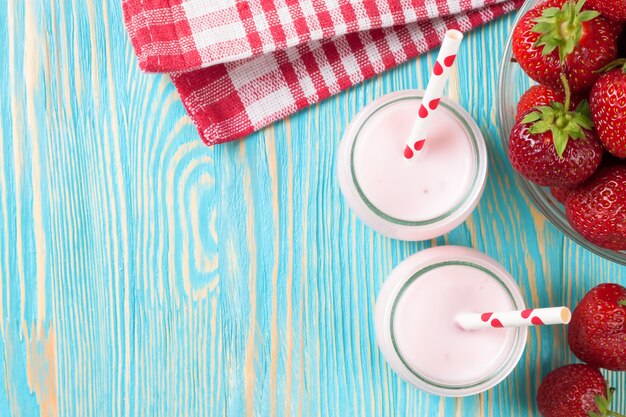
[143, 274]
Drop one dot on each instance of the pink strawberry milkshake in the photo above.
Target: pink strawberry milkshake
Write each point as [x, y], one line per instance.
[416, 329]
[415, 199]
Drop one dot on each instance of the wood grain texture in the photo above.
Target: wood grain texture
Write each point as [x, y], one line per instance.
[143, 274]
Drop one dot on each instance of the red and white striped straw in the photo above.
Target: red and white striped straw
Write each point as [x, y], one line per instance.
[434, 90]
[530, 317]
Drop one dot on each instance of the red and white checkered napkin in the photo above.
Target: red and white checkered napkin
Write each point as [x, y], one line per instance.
[240, 65]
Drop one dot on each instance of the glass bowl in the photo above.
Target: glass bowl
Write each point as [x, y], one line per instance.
[513, 83]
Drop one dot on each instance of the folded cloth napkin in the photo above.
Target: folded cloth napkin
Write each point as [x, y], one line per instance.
[240, 65]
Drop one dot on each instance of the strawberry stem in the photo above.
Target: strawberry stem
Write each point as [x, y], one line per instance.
[568, 92]
[622, 303]
[615, 64]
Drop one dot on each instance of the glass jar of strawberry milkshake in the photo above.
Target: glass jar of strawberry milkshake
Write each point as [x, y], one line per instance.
[418, 334]
[421, 198]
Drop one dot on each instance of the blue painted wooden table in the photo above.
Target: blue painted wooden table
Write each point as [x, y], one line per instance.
[144, 274]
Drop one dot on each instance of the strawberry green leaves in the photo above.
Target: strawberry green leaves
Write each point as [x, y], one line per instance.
[561, 29]
[562, 123]
[604, 404]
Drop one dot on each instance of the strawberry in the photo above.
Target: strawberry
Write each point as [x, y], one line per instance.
[608, 108]
[559, 37]
[597, 209]
[560, 193]
[597, 332]
[552, 146]
[613, 9]
[575, 391]
[537, 95]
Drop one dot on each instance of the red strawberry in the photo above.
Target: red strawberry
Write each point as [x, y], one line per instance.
[537, 95]
[597, 209]
[560, 193]
[613, 9]
[608, 108]
[558, 37]
[575, 391]
[550, 161]
[552, 146]
[597, 332]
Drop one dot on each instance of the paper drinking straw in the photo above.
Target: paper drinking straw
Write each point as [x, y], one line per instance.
[434, 90]
[530, 317]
